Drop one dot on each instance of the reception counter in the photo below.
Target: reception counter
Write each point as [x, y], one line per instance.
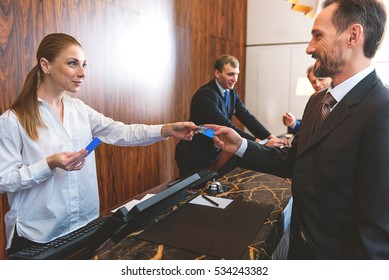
[240, 185]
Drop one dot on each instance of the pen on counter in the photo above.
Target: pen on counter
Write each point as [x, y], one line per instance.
[210, 200]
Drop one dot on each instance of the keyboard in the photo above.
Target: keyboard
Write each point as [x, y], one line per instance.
[116, 226]
[58, 248]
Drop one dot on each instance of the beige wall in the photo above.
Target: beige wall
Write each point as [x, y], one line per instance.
[276, 41]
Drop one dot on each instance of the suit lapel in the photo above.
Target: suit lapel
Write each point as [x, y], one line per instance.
[340, 113]
[214, 86]
[231, 100]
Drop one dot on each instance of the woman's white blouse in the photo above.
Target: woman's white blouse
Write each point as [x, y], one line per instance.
[44, 204]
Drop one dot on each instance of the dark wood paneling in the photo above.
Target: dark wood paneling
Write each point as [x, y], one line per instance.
[145, 61]
[21, 30]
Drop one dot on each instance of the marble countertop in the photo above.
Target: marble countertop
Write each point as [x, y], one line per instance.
[238, 184]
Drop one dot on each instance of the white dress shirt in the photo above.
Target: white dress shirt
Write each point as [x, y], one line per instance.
[44, 204]
[222, 90]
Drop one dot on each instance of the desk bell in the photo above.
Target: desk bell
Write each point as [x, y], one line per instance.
[214, 187]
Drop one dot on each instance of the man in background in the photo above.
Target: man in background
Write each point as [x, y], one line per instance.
[216, 102]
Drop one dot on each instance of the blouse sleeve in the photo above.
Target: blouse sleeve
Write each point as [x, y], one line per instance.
[118, 133]
[14, 175]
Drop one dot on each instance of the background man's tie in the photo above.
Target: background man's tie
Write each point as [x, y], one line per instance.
[226, 93]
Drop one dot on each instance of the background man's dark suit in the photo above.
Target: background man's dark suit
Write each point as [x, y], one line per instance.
[340, 175]
[208, 106]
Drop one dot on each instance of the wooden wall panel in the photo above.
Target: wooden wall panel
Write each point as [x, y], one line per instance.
[145, 61]
[21, 25]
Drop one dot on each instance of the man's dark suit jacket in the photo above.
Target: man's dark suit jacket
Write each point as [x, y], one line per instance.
[340, 174]
[208, 107]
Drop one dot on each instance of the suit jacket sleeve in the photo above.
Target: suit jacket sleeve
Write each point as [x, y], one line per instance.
[207, 108]
[249, 120]
[296, 128]
[275, 161]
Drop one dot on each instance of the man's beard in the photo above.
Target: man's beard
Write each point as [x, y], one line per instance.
[329, 65]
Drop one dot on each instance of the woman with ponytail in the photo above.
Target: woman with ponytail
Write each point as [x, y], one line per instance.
[51, 185]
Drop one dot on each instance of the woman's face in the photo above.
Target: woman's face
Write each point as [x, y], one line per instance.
[67, 71]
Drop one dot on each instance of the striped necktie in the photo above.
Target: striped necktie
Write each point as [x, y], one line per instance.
[327, 103]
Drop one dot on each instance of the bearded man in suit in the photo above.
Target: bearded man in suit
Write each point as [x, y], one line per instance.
[340, 181]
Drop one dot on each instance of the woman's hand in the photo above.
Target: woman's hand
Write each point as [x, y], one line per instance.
[181, 130]
[69, 161]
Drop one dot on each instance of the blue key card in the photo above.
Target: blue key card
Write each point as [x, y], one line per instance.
[93, 145]
[206, 131]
